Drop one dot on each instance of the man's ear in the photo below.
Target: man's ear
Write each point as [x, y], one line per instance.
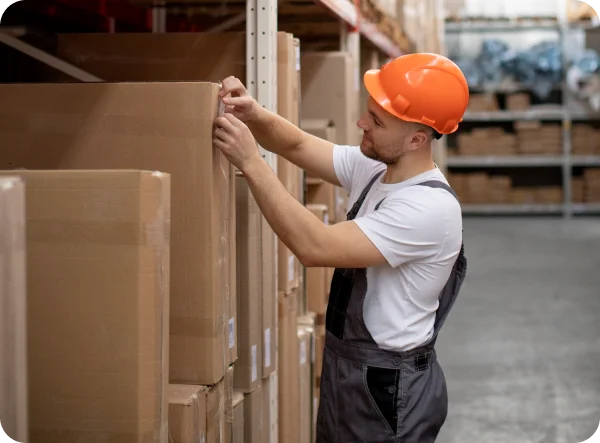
[419, 139]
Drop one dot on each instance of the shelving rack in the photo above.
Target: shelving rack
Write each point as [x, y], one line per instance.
[562, 113]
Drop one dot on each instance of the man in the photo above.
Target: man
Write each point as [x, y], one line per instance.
[398, 258]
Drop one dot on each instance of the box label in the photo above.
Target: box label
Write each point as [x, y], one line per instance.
[357, 79]
[313, 345]
[291, 268]
[297, 58]
[302, 352]
[231, 333]
[326, 219]
[254, 368]
[267, 347]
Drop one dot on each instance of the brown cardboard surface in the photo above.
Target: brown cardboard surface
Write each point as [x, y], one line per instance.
[289, 372]
[253, 416]
[232, 292]
[187, 413]
[13, 310]
[151, 126]
[157, 57]
[269, 296]
[287, 78]
[248, 367]
[287, 266]
[308, 322]
[228, 408]
[323, 193]
[270, 428]
[306, 394]
[322, 128]
[328, 92]
[237, 434]
[98, 260]
[196, 413]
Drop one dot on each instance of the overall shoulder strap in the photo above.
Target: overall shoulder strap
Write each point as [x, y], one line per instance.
[438, 185]
[358, 204]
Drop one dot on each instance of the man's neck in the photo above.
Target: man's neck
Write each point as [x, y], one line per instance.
[407, 168]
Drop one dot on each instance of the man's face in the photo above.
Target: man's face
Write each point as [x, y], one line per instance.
[387, 138]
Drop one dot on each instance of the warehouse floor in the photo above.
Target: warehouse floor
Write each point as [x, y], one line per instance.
[521, 349]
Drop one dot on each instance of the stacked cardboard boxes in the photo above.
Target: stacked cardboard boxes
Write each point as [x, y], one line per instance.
[585, 140]
[591, 178]
[535, 138]
[483, 188]
[13, 310]
[487, 141]
[97, 251]
[483, 103]
[156, 118]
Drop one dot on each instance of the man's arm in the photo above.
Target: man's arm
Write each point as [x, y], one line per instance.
[315, 244]
[277, 135]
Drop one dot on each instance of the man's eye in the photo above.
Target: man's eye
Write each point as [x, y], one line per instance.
[377, 122]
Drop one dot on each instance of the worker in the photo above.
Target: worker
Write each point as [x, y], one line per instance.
[399, 261]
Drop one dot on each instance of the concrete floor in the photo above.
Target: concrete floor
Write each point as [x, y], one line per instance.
[521, 349]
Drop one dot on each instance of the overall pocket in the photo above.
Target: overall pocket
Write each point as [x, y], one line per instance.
[383, 386]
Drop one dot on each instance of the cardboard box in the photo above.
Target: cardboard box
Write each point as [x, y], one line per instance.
[250, 334]
[228, 405]
[309, 323]
[238, 419]
[518, 102]
[483, 103]
[306, 394]
[98, 260]
[288, 372]
[578, 190]
[336, 100]
[287, 78]
[287, 261]
[269, 297]
[323, 193]
[270, 412]
[150, 126]
[231, 293]
[253, 416]
[321, 128]
[13, 310]
[196, 414]
[165, 57]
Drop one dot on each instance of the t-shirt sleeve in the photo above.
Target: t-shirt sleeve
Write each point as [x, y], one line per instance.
[345, 161]
[405, 230]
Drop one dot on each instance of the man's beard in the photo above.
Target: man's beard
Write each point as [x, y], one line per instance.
[369, 152]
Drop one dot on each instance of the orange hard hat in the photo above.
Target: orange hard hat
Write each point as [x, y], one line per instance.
[421, 88]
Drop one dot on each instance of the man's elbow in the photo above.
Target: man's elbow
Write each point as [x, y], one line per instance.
[311, 258]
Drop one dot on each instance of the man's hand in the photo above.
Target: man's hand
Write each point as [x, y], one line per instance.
[235, 140]
[240, 103]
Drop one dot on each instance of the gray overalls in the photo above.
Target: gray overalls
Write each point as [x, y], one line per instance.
[369, 394]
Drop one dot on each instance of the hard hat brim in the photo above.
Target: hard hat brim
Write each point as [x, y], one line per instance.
[375, 90]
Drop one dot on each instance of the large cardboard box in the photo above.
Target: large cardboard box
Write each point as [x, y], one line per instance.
[306, 394]
[329, 92]
[270, 412]
[248, 368]
[320, 127]
[98, 262]
[148, 57]
[237, 432]
[253, 416]
[196, 414]
[287, 78]
[150, 126]
[13, 310]
[288, 369]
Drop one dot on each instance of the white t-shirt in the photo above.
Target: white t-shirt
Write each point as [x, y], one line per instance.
[419, 231]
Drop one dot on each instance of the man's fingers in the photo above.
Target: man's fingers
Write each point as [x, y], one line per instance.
[237, 101]
[225, 123]
[233, 85]
[235, 122]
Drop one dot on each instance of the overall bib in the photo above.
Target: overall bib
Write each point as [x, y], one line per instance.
[369, 394]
